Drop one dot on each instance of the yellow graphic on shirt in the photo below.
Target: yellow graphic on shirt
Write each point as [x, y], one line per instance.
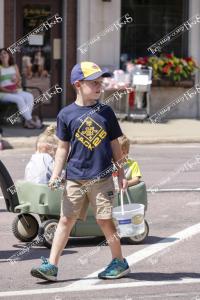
[90, 133]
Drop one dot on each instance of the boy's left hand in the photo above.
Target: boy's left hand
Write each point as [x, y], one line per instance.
[123, 183]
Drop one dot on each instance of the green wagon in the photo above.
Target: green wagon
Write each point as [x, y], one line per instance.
[38, 210]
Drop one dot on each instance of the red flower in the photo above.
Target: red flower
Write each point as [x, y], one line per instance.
[188, 59]
[165, 69]
[142, 60]
[170, 64]
[178, 69]
[169, 55]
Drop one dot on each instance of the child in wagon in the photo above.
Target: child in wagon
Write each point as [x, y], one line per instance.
[39, 168]
[131, 167]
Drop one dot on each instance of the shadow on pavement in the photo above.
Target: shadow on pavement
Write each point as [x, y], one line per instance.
[34, 253]
[95, 241]
[19, 131]
[153, 276]
[156, 239]
[3, 210]
[59, 281]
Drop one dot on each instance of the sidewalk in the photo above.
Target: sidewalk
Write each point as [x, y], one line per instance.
[174, 131]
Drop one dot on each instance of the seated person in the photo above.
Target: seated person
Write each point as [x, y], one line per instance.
[27, 66]
[39, 64]
[131, 168]
[11, 90]
[39, 168]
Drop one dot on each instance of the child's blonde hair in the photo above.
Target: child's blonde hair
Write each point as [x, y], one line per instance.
[47, 137]
[124, 143]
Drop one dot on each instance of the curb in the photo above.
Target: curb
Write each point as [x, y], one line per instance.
[13, 143]
[16, 143]
[165, 140]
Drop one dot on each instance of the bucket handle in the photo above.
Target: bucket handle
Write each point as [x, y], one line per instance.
[122, 199]
[128, 196]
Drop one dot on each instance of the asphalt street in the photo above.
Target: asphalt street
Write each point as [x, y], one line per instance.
[166, 266]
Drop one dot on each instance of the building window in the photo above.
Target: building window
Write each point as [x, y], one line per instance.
[152, 21]
[36, 59]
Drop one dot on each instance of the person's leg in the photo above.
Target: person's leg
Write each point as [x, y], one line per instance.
[29, 72]
[118, 267]
[101, 197]
[73, 204]
[29, 102]
[40, 70]
[21, 104]
[61, 238]
[71, 208]
[112, 238]
[48, 269]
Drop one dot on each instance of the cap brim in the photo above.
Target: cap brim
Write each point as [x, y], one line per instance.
[103, 73]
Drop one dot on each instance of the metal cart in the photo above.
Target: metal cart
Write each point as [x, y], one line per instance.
[120, 105]
[139, 105]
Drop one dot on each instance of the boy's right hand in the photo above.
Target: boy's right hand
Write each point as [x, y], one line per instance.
[55, 183]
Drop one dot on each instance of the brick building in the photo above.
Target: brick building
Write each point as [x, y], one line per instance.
[82, 20]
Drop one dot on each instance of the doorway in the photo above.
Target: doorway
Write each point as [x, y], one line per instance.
[40, 58]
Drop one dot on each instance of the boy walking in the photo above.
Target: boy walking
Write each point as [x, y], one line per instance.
[90, 130]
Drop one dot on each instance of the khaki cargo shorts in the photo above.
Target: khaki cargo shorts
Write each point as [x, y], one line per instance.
[77, 195]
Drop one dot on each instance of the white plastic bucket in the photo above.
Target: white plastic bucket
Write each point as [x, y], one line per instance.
[129, 218]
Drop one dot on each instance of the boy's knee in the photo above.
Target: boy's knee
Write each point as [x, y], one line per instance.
[66, 221]
[104, 222]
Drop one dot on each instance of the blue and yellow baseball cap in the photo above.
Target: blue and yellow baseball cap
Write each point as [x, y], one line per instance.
[88, 70]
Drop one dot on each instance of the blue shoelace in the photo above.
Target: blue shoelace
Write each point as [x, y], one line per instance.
[46, 268]
[46, 265]
[112, 264]
[44, 260]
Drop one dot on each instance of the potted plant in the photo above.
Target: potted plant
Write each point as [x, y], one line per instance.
[170, 70]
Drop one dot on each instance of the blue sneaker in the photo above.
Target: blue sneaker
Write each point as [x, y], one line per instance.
[116, 269]
[46, 271]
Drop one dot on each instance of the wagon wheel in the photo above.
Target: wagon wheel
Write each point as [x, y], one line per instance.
[25, 227]
[47, 230]
[138, 239]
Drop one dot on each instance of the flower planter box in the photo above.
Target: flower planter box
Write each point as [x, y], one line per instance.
[167, 82]
[161, 96]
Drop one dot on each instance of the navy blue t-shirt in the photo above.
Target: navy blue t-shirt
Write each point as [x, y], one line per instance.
[89, 129]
